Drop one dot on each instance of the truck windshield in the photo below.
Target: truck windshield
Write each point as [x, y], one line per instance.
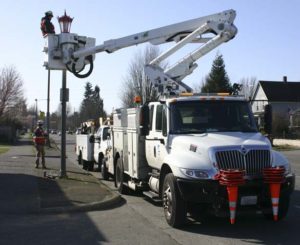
[192, 117]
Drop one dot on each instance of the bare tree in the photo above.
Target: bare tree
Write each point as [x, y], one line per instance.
[11, 89]
[18, 110]
[248, 86]
[136, 83]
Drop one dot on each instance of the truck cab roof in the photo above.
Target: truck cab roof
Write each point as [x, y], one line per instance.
[204, 97]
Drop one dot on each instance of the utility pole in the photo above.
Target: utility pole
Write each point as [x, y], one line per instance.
[64, 97]
[36, 111]
[48, 109]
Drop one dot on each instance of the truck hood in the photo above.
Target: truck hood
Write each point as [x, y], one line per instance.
[202, 143]
[196, 151]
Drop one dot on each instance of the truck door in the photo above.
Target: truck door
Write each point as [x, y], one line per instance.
[156, 140]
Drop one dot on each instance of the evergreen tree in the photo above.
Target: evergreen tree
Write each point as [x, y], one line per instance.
[92, 104]
[217, 80]
[98, 103]
[86, 104]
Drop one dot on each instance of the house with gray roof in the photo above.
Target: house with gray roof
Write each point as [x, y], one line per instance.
[284, 97]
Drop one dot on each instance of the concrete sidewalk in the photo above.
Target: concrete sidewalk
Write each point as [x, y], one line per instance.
[282, 142]
[25, 189]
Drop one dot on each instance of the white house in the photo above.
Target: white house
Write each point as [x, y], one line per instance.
[284, 97]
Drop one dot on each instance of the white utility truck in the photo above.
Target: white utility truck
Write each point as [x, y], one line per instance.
[84, 147]
[174, 151]
[84, 150]
[187, 151]
[102, 143]
[90, 148]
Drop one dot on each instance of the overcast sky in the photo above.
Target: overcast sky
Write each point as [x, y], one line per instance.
[266, 46]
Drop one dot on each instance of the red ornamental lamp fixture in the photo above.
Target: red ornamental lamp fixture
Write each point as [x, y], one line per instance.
[65, 22]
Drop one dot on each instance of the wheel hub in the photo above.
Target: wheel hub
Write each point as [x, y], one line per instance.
[167, 201]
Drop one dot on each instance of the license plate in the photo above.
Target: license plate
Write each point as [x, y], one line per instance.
[248, 200]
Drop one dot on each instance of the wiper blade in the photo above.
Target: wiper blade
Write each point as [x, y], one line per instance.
[249, 131]
[189, 131]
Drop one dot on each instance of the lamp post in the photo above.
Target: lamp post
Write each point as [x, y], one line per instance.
[48, 108]
[36, 111]
[65, 22]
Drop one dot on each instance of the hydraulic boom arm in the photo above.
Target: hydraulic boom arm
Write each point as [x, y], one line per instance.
[219, 23]
[210, 31]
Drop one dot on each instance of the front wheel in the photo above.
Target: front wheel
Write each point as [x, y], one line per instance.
[173, 204]
[91, 166]
[80, 161]
[85, 164]
[104, 170]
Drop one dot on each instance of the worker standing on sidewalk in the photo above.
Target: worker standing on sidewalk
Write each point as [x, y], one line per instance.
[39, 140]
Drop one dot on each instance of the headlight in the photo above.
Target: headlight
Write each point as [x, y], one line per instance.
[287, 168]
[195, 173]
[279, 159]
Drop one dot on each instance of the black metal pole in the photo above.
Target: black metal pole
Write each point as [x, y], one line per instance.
[36, 111]
[63, 124]
[48, 109]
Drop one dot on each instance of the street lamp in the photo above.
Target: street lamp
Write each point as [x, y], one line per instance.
[65, 22]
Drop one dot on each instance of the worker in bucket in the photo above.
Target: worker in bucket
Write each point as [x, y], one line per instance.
[39, 140]
[46, 24]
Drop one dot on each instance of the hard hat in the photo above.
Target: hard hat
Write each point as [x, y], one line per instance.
[40, 122]
[49, 13]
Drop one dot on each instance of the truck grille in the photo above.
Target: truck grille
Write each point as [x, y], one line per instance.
[253, 161]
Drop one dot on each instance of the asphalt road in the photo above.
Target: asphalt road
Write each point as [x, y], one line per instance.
[247, 230]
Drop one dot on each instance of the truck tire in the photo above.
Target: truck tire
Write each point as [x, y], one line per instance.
[119, 177]
[85, 164]
[90, 165]
[80, 161]
[100, 158]
[283, 207]
[173, 204]
[104, 170]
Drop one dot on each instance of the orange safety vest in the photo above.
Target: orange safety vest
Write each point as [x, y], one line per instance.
[39, 137]
[39, 140]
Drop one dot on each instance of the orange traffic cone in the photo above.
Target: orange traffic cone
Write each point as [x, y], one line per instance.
[274, 177]
[232, 178]
[275, 192]
[232, 198]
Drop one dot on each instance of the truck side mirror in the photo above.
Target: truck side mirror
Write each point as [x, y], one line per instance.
[144, 120]
[268, 119]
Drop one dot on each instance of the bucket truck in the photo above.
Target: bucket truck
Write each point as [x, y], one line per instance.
[196, 154]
